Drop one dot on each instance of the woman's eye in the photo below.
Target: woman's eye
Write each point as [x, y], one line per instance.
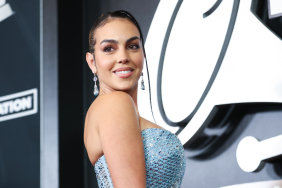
[108, 49]
[134, 46]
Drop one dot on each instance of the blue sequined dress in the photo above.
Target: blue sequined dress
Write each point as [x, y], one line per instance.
[164, 157]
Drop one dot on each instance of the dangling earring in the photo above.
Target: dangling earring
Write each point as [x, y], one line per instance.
[96, 90]
[142, 83]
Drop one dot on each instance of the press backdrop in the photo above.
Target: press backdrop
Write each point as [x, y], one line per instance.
[43, 46]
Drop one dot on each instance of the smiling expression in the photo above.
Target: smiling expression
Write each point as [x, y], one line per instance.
[118, 55]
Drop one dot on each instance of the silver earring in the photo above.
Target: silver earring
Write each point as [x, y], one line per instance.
[96, 90]
[142, 83]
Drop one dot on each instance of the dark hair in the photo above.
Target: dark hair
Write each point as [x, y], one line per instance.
[109, 16]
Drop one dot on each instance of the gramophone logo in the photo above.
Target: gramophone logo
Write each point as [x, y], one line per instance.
[18, 105]
[204, 55]
[5, 10]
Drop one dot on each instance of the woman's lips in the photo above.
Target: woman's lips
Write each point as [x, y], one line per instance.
[122, 75]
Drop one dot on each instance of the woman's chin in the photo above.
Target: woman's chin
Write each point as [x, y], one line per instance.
[125, 88]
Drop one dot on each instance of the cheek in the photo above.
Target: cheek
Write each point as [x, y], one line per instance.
[138, 60]
[104, 63]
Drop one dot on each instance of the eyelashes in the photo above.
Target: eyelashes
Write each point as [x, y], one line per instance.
[134, 46]
[108, 49]
[111, 48]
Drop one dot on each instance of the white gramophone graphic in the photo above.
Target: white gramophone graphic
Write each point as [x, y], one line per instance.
[5, 10]
[203, 54]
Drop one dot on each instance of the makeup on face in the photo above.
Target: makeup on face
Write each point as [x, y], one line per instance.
[124, 72]
[110, 45]
[119, 55]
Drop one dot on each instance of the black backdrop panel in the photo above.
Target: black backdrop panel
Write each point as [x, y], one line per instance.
[20, 71]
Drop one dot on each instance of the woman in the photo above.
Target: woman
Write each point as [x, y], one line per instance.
[126, 149]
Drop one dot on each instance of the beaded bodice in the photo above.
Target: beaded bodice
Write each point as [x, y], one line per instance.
[164, 157]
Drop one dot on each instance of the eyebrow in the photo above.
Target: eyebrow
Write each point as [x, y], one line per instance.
[116, 42]
[132, 38]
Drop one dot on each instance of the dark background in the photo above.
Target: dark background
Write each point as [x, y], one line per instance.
[20, 70]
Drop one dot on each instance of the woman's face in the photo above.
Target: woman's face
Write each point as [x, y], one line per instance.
[118, 55]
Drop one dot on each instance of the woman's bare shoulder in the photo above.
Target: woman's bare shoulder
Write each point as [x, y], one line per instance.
[120, 135]
[110, 103]
[110, 117]
[111, 110]
[116, 96]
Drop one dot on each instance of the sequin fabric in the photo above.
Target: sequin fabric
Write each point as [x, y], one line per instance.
[102, 173]
[165, 161]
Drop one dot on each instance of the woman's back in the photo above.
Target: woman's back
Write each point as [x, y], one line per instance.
[164, 157]
[163, 152]
[112, 128]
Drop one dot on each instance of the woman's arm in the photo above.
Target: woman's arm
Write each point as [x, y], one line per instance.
[121, 139]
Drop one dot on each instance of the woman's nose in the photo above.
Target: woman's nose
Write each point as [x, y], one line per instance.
[122, 57]
[123, 60]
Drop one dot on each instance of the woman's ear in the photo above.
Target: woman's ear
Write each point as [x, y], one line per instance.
[91, 62]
